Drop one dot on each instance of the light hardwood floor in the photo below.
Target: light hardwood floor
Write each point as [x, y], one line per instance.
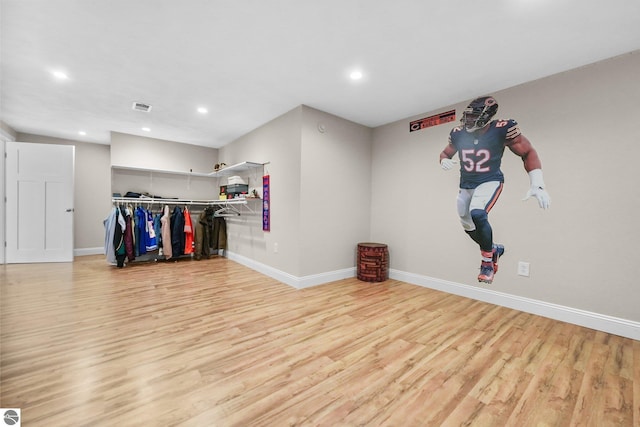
[212, 343]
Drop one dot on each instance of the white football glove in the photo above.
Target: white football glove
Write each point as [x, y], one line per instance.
[537, 189]
[447, 164]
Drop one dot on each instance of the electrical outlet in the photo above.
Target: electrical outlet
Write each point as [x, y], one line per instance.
[275, 248]
[523, 268]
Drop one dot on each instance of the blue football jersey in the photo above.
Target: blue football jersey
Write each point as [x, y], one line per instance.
[481, 152]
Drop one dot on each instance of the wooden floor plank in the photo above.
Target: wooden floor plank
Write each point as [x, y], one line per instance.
[203, 343]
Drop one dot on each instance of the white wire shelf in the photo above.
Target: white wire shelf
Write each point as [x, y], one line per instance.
[161, 201]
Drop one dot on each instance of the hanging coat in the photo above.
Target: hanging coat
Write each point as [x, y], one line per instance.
[165, 227]
[151, 242]
[157, 228]
[219, 233]
[188, 232]
[177, 232]
[141, 221]
[204, 228]
[118, 238]
[128, 235]
[109, 231]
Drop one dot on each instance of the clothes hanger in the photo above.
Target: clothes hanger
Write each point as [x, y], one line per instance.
[227, 211]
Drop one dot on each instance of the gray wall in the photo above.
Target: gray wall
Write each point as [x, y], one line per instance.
[158, 157]
[583, 251]
[158, 154]
[320, 192]
[276, 142]
[335, 194]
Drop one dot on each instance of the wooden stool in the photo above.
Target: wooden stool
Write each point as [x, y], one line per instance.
[373, 262]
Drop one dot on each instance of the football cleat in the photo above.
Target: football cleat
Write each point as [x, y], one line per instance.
[486, 272]
[498, 251]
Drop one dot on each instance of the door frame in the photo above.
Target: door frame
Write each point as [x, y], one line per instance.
[4, 137]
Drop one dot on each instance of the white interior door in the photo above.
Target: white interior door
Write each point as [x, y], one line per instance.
[39, 216]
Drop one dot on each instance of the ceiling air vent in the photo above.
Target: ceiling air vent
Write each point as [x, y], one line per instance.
[140, 106]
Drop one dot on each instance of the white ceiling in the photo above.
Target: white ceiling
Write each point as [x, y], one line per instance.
[249, 61]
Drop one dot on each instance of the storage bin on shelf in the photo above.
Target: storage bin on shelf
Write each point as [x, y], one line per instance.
[233, 191]
[233, 180]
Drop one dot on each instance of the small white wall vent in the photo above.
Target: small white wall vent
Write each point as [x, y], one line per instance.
[140, 106]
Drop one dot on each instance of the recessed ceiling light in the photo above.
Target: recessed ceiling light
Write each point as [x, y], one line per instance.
[356, 75]
[81, 132]
[146, 129]
[60, 75]
[202, 110]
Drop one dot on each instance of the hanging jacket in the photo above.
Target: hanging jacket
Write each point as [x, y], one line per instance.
[141, 220]
[165, 225]
[157, 228]
[219, 234]
[118, 238]
[151, 242]
[204, 229]
[109, 230]
[188, 232]
[177, 232]
[128, 235]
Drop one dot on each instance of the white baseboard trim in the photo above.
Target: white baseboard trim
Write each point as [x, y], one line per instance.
[600, 322]
[88, 251]
[289, 279]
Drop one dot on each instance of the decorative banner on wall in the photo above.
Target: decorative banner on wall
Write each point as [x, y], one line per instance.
[266, 204]
[438, 119]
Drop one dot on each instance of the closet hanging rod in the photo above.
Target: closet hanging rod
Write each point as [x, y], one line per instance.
[238, 201]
